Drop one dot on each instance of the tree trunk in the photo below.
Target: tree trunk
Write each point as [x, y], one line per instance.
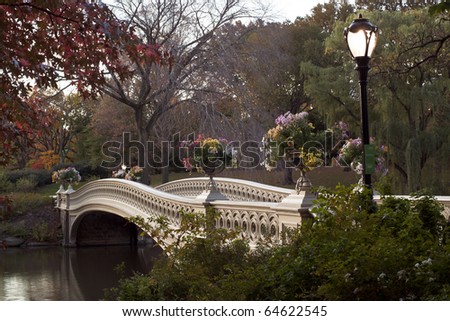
[165, 164]
[287, 176]
[413, 153]
[143, 138]
[165, 174]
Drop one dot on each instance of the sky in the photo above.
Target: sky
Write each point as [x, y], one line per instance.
[282, 10]
[291, 9]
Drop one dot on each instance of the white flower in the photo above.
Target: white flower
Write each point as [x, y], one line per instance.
[381, 276]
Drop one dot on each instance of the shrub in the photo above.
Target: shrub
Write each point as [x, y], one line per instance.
[23, 202]
[5, 185]
[41, 232]
[42, 176]
[351, 250]
[13, 229]
[5, 207]
[85, 169]
[26, 184]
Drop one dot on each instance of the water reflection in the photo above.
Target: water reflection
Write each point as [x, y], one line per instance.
[56, 273]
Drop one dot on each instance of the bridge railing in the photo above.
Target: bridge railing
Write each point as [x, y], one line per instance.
[233, 189]
[255, 220]
[443, 200]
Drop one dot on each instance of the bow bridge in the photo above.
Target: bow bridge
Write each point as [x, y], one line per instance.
[98, 212]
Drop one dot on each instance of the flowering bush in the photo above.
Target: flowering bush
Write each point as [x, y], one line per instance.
[69, 175]
[207, 154]
[289, 140]
[134, 174]
[120, 173]
[351, 154]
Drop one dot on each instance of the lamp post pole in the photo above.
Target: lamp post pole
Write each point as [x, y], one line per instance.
[361, 37]
[363, 70]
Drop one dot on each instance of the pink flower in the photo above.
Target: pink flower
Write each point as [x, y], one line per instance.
[343, 125]
[187, 164]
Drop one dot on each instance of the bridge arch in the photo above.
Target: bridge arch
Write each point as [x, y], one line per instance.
[76, 218]
[103, 228]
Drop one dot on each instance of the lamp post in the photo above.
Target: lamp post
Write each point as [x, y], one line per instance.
[361, 37]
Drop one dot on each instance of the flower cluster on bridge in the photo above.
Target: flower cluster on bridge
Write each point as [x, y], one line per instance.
[207, 154]
[292, 140]
[68, 175]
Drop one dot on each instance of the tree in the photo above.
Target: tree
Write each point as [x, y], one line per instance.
[43, 43]
[69, 115]
[408, 92]
[417, 91]
[22, 146]
[183, 31]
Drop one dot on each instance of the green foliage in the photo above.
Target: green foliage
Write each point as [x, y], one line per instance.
[5, 184]
[13, 229]
[203, 263]
[408, 93]
[84, 168]
[26, 184]
[351, 250]
[23, 202]
[42, 176]
[41, 232]
[5, 207]
[443, 7]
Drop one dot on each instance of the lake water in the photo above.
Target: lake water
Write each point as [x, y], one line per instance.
[66, 274]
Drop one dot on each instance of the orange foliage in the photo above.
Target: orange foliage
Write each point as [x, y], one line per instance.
[46, 160]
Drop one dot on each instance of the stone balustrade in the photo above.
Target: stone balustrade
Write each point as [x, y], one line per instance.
[233, 189]
[259, 212]
[256, 220]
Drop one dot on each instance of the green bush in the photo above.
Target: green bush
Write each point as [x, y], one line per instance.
[41, 232]
[42, 176]
[13, 229]
[85, 169]
[26, 184]
[5, 207]
[5, 185]
[23, 202]
[351, 250]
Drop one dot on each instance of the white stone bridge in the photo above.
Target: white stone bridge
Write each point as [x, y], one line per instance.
[258, 210]
[103, 207]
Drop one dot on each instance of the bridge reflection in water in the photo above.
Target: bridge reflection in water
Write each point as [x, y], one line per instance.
[57, 273]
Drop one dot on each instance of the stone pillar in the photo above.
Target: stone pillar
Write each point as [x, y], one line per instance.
[65, 218]
[211, 193]
[64, 209]
[294, 208]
